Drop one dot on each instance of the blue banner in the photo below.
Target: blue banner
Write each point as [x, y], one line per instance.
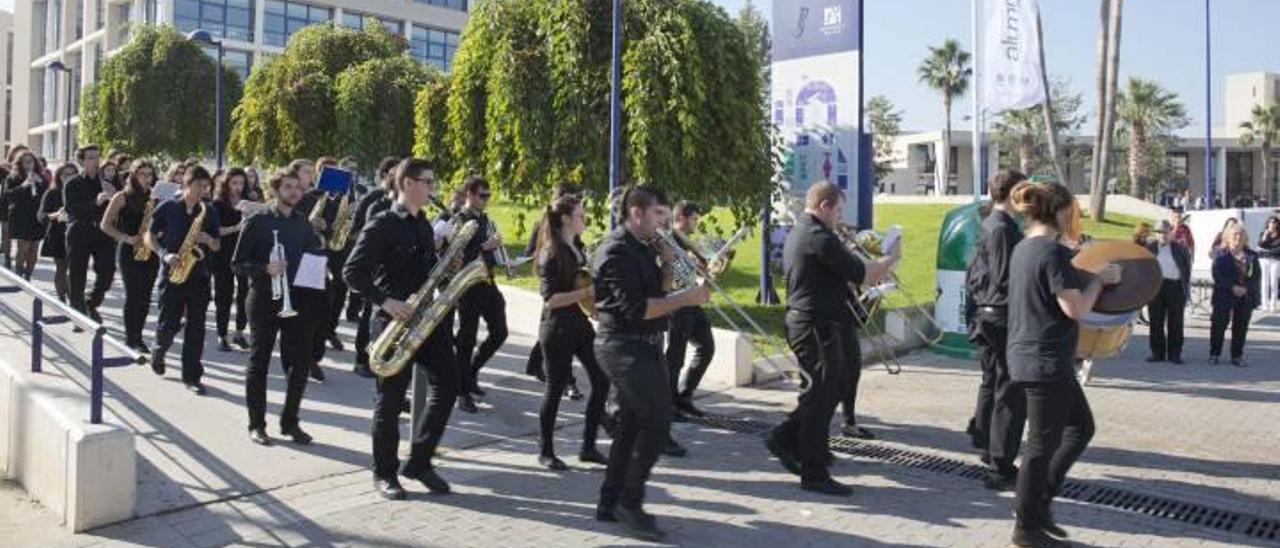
[805, 28]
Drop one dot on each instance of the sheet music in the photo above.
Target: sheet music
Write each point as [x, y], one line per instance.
[442, 229]
[311, 271]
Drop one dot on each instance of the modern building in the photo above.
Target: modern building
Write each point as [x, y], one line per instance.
[1236, 172]
[6, 53]
[82, 33]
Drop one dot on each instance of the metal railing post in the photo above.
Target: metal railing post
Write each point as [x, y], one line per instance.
[37, 333]
[95, 374]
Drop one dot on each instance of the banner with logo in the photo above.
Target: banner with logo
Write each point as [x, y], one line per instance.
[816, 97]
[1011, 71]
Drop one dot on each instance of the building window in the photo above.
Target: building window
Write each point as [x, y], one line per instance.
[225, 18]
[54, 33]
[358, 21]
[102, 14]
[434, 46]
[285, 18]
[451, 4]
[150, 11]
[125, 16]
[79, 20]
[8, 59]
[1179, 163]
[240, 62]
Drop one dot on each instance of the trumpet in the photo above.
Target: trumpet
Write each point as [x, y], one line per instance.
[280, 284]
[501, 250]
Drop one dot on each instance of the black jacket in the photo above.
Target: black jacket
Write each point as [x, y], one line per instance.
[1226, 274]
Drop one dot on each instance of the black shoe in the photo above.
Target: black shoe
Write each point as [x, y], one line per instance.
[685, 406]
[336, 343]
[827, 487]
[1175, 361]
[195, 388]
[476, 391]
[259, 436]
[551, 462]
[677, 416]
[593, 455]
[573, 392]
[157, 361]
[1154, 359]
[1213, 360]
[1035, 538]
[139, 347]
[857, 432]
[785, 456]
[299, 437]
[317, 374]
[1047, 524]
[432, 481]
[642, 524]
[223, 346]
[363, 371]
[997, 481]
[93, 314]
[240, 341]
[604, 512]
[389, 488]
[467, 405]
[674, 449]
[1239, 362]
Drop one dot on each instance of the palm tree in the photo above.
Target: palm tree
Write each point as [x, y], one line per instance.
[1146, 109]
[946, 70]
[1263, 129]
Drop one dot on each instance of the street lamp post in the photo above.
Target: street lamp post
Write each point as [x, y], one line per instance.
[203, 38]
[615, 114]
[59, 66]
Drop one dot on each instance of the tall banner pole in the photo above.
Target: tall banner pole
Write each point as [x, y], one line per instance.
[615, 113]
[976, 99]
[1208, 111]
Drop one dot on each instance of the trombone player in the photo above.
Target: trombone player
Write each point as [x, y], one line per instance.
[822, 331]
[256, 257]
[689, 325]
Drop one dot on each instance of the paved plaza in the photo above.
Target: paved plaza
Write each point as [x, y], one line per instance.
[1184, 456]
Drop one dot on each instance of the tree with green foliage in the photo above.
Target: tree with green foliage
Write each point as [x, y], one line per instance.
[155, 97]
[946, 70]
[886, 123]
[1023, 132]
[1147, 112]
[1263, 129]
[333, 90]
[527, 104]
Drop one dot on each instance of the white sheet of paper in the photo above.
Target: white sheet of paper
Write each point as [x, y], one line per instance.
[165, 190]
[891, 239]
[311, 271]
[442, 229]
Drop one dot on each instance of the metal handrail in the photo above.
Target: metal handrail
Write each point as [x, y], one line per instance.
[100, 338]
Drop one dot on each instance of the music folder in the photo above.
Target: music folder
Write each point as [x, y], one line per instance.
[335, 180]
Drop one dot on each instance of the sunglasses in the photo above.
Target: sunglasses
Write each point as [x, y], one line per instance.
[484, 195]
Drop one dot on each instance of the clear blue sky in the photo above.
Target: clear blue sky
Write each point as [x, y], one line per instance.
[1162, 40]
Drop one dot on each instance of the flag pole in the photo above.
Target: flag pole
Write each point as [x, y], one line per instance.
[977, 103]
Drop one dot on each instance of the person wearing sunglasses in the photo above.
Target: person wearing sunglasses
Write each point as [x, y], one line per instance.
[482, 300]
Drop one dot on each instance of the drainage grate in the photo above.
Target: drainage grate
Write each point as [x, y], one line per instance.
[1080, 491]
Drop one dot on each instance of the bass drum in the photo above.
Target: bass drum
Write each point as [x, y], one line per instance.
[1104, 335]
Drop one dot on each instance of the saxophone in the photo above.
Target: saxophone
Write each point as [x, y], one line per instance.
[317, 212]
[142, 253]
[340, 232]
[190, 253]
[400, 340]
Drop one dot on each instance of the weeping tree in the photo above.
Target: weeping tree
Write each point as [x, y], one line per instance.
[155, 97]
[332, 91]
[527, 104]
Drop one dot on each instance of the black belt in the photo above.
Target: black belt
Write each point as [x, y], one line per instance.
[646, 338]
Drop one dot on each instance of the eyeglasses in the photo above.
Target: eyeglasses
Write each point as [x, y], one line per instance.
[484, 195]
[424, 180]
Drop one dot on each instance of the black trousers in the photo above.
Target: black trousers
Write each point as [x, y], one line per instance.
[85, 242]
[1001, 412]
[362, 333]
[1238, 315]
[564, 337]
[1059, 427]
[185, 304]
[643, 420]
[482, 301]
[295, 334]
[824, 351]
[139, 280]
[850, 400]
[228, 288]
[1165, 313]
[335, 299]
[689, 325]
[433, 369]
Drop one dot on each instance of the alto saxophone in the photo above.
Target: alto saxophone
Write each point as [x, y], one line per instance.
[340, 232]
[190, 253]
[400, 340]
[142, 253]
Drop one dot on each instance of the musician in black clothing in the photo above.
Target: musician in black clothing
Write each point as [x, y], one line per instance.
[85, 199]
[54, 217]
[123, 223]
[23, 189]
[533, 364]
[565, 332]
[253, 259]
[187, 302]
[632, 307]
[689, 325]
[392, 259]
[822, 331]
[358, 191]
[1001, 411]
[305, 170]
[370, 205]
[229, 287]
[482, 300]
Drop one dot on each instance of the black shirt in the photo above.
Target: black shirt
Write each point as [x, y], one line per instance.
[819, 269]
[990, 266]
[557, 275]
[474, 248]
[1042, 339]
[170, 223]
[228, 216]
[81, 200]
[23, 203]
[258, 237]
[393, 256]
[627, 276]
[372, 203]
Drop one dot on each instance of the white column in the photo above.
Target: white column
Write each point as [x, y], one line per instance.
[259, 14]
[1220, 173]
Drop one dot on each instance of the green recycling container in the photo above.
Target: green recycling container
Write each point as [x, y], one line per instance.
[957, 239]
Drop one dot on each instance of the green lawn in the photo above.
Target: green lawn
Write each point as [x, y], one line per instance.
[921, 224]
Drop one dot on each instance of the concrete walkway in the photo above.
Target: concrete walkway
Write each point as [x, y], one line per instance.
[1193, 433]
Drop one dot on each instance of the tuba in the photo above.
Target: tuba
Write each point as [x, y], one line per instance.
[190, 253]
[340, 232]
[400, 340]
[142, 253]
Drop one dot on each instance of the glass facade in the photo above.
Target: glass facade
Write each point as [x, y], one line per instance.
[434, 46]
[285, 18]
[222, 18]
[358, 21]
[239, 61]
[451, 4]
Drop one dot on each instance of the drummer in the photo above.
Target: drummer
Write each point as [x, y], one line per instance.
[1046, 300]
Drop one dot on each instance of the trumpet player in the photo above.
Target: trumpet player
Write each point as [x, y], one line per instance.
[282, 228]
[392, 259]
[481, 301]
[689, 325]
[184, 230]
[126, 221]
[85, 199]
[822, 331]
[370, 205]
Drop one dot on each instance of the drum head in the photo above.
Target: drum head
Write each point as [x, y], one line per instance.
[1139, 283]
